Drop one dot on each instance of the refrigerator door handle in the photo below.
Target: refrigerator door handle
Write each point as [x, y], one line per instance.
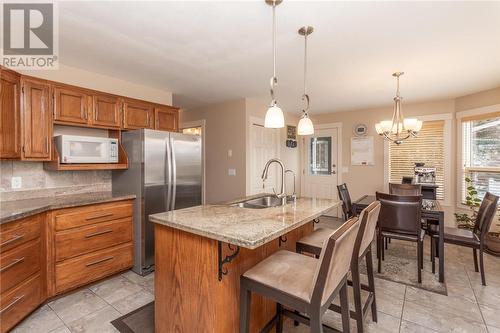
[174, 173]
[168, 174]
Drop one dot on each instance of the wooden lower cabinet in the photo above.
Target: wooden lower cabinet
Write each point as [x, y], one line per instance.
[81, 270]
[47, 254]
[19, 302]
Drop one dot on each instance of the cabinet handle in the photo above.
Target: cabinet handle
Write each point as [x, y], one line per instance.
[47, 144]
[99, 233]
[98, 217]
[13, 239]
[149, 123]
[99, 261]
[11, 304]
[13, 263]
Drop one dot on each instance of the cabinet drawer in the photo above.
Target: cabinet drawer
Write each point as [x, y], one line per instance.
[81, 270]
[18, 264]
[18, 232]
[77, 217]
[19, 302]
[75, 242]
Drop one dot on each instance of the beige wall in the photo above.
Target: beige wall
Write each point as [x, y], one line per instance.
[92, 80]
[477, 100]
[225, 130]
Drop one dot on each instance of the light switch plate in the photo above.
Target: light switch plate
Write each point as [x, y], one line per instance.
[231, 172]
[16, 182]
[230, 153]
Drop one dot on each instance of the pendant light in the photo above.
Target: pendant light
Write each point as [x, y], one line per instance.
[305, 126]
[274, 115]
[398, 129]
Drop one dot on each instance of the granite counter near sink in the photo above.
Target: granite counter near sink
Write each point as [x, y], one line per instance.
[13, 210]
[245, 227]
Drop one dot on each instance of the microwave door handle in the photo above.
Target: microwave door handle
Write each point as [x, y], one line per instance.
[174, 172]
[168, 175]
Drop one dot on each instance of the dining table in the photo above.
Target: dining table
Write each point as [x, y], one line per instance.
[431, 212]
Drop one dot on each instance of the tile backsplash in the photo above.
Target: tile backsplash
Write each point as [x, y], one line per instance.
[37, 182]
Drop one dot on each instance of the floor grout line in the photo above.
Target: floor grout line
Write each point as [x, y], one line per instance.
[402, 310]
[477, 301]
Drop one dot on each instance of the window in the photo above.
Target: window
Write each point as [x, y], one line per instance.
[427, 147]
[481, 153]
[321, 158]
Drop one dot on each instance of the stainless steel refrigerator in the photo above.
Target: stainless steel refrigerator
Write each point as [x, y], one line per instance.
[165, 173]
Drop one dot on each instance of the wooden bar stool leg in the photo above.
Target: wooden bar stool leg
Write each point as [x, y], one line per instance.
[481, 263]
[356, 288]
[379, 245]
[344, 305]
[245, 300]
[371, 282]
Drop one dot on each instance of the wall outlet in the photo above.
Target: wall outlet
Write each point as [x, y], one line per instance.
[230, 153]
[231, 172]
[16, 182]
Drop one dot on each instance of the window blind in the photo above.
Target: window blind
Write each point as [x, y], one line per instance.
[427, 147]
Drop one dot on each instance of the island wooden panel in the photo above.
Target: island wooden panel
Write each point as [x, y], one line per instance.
[188, 295]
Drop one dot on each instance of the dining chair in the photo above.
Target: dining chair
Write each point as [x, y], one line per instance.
[405, 189]
[407, 180]
[302, 283]
[347, 208]
[313, 244]
[399, 218]
[474, 238]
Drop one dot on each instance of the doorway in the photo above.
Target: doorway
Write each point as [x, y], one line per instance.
[321, 163]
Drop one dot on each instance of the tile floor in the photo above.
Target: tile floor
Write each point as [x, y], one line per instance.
[469, 306]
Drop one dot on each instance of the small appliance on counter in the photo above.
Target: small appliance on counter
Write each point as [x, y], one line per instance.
[86, 149]
[424, 175]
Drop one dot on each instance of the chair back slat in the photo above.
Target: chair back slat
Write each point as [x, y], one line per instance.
[485, 214]
[334, 261]
[345, 197]
[368, 223]
[400, 213]
[405, 189]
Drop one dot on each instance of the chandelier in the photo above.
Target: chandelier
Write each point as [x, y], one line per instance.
[398, 129]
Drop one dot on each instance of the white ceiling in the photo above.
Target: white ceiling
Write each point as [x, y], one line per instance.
[209, 51]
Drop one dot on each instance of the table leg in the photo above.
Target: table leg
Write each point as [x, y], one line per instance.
[441, 247]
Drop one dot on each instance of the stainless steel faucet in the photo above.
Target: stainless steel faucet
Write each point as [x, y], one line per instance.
[282, 194]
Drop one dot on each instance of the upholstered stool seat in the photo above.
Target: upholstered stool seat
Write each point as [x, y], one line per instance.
[314, 242]
[304, 285]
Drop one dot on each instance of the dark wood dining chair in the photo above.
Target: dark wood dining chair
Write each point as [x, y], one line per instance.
[474, 238]
[345, 197]
[405, 189]
[407, 180]
[313, 243]
[399, 218]
[302, 283]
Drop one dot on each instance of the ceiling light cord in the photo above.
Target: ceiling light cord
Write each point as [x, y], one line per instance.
[305, 96]
[274, 79]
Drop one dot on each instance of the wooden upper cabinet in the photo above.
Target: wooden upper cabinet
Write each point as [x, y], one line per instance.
[166, 118]
[10, 136]
[71, 105]
[105, 111]
[137, 114]
[36, 119]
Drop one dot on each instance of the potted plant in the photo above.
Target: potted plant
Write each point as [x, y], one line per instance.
[464, 220]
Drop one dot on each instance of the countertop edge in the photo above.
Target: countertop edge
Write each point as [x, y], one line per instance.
[53, 206]
[247, 245]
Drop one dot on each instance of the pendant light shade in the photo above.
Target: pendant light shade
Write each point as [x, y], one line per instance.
[305, 126]
[274, 115]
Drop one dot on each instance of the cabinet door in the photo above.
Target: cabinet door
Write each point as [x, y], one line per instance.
[37, 120]
[105, 111]
[10, 136]
[71, 105]
[166, 119]
[137, 114]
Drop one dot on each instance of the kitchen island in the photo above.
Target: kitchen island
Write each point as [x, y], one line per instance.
[200, 253]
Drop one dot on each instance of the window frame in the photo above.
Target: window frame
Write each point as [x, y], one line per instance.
[461, 169]
[447, 158]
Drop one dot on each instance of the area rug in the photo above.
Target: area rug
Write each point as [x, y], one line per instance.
[400, 265]
[141, 320]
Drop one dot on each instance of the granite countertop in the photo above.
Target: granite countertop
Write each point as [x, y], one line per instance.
[13, 210]
[245, 227]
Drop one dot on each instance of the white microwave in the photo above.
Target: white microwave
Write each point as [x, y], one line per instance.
[86, 149]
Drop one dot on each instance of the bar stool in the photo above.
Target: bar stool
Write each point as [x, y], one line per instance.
[313, 242]
[302, 283]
